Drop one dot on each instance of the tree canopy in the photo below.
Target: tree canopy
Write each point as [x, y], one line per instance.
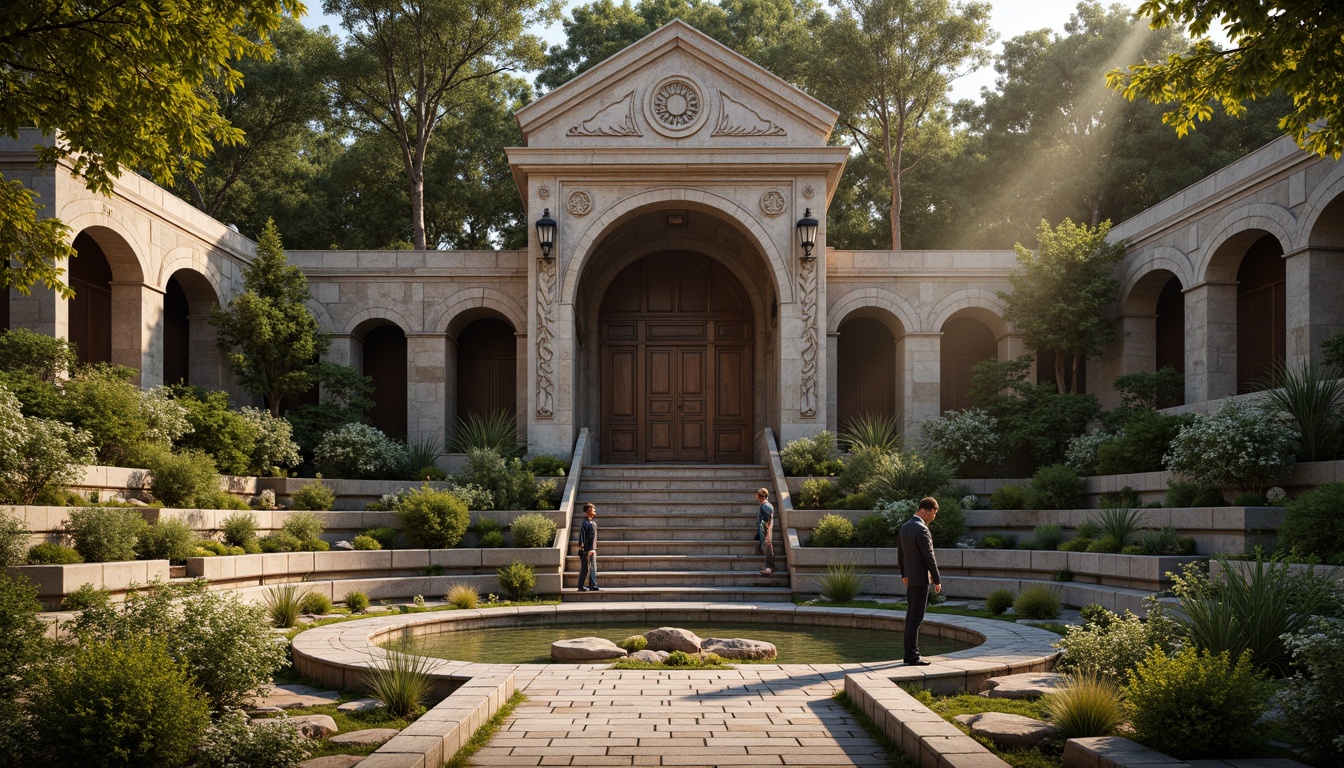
[123, 84]
[1060, 292]
[1293, 47]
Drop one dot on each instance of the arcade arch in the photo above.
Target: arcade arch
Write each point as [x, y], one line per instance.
[968, 338]
[1154, 323]
[190, 353]
[379, 352]
[482, 373]
[869, 371]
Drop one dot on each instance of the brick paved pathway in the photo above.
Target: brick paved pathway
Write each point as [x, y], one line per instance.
[753, 715]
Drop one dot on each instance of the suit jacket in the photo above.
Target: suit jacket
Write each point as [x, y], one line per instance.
[915, 554]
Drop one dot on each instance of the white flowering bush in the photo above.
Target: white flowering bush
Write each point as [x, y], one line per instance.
[1238, 448]
[165, 418]
[37, 454]
[360, 452]
[1081, 453]
[1310, 699]
[265, 499]
[970, 501]
[275, 450]
[235, 740]
[965, 437]
[474, 496]
[1276, 495]
[1112, 645]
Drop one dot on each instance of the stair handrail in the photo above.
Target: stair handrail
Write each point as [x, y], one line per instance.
[569, 497]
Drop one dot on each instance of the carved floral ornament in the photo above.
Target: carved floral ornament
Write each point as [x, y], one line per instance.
[677, 107]
[579, 203]
[772, 203]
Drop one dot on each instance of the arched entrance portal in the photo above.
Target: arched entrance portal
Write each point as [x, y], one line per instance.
[676, 335]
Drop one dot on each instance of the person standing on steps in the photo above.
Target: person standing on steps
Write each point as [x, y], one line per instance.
[919, 569]
[765, 524]
[588, 550]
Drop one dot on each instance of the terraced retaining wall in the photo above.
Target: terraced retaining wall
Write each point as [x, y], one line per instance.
[54, 582]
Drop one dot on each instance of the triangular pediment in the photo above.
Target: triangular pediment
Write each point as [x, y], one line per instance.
[676, 87]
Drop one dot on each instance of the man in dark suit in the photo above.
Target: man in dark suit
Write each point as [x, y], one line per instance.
[919, 569]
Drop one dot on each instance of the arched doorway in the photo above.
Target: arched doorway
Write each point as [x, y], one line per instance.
[1262, 320]
[91, 308]
[384, 362]
[866, 371]
[965, 342]
[176, 334]
[1170, 333]
[676, 331]
[487, 369]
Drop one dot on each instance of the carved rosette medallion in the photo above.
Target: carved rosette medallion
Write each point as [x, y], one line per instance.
[807, 285]
[772, 203]
[579, 203]
[543, 192]
[676, 107]
[808, 192]
[545, 339]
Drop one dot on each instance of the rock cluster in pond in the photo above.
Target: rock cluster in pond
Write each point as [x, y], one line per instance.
[661, 642]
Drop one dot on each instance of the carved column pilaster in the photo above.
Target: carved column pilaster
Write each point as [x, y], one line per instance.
[545, 339]
[807, 290]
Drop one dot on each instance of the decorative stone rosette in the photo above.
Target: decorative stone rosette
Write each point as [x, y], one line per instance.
[676, 106]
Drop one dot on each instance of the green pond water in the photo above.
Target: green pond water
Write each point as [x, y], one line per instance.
[796, 644]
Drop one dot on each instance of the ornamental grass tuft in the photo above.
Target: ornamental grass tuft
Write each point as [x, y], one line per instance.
[1087, 705]
[400, 680]
[463, 596]
[1039, 603]
[284, 603]
[843, 582]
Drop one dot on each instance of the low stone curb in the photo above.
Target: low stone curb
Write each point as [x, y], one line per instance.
[1115, 752]
[925, 736]
[438, 734]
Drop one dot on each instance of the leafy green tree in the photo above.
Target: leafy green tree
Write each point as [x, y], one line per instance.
[269, 334]
[406, 66]
[123, 85]
[1060, 291]
[886, 65]
[1289, 46]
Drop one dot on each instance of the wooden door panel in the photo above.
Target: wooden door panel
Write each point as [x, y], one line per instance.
[620, 403]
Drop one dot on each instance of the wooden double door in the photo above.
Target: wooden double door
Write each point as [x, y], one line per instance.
[676, 336]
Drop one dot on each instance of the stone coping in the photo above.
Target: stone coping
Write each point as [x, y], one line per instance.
[928, 739]
[438, 734]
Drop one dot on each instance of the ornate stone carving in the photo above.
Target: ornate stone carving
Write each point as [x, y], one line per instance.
[615, 119]
[772, 203]
[676, 107]
[737, 119]
[545, 339]
[808, 192]
[543, 192]
[807, 285]
[579, 203]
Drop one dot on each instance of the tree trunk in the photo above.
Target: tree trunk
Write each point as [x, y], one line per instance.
[417, 179]
[1061, 383]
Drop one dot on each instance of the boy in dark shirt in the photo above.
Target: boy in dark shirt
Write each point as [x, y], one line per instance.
[765, 523]
[588, 550]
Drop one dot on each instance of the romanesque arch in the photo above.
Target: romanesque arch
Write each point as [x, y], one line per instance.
[1153, 309]
[869, 368]
[379, 352]
[190, 353]
[969, 337]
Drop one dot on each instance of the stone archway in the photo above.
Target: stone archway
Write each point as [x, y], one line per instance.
[676, 332]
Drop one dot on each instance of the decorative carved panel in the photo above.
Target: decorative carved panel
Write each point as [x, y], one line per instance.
[545, 339]
[677, 106]
[737, 119]
[615, 119]
[807, 285]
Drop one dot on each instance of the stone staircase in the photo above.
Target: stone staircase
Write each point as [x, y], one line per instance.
[676, 532]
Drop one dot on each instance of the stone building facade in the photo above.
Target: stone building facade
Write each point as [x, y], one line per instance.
[676, 313]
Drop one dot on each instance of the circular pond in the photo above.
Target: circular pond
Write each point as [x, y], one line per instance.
[797, 644]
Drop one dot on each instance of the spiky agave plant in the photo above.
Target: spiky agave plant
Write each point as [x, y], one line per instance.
[499, 431]
[871, 432]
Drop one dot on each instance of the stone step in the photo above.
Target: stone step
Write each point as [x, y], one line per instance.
[619, 507]
[681, 563]
[680, 519]
[676, 470]
[681, 579]
[591, 484]
[677, 496]
[691, 594]
[606, 534]
[642, 547]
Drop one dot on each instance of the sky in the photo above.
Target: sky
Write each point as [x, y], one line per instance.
[1009, 18]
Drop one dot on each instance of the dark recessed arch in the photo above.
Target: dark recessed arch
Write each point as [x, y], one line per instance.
[966, 341]
[383, 359]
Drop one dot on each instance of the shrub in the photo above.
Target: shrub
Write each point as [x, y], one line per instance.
[1140, 446]
[48, 553]
[36, 455]
[1087, 705]
[360, 452]
[432, 518]
[463, 596]
[492, 539]
[1252, 612]
[1310, 699]
[1119, 524]
[634, 643]
[1039, 602]
[24, 649]
[284, 603]
[386, 536]
[224, 435]
[281, 541]
[181, 479]
[843, 582]
[1160, 541]
[1000, 600]
[1197, 704]
[1079, 544]
[949, 525]
[226, 644]
[872, 531]
[510, 485]
[118, 415]
[1081, 453]
[996, 541]
[962, 438]
[104, 534]
[274, 449]
[36, 354]
[871, 432]
[807, 455]
[1008, 497]
[313, 496]
[532, 530]
[365, 543]
[1310, 395]
[816, 493]
[239, 529]
[474, 496]
[497, 432]
[170, 539]
[235, 741]
[125, 703]
[1111, 645]
[833, 531]
[1054, 487]
[1047, 536]
[517, 579]
[356, 601]
[1183, 494]
[1238, 448]
[1107, 545]
[13, 540]
[86, 597]
[304, 526]
[400, 680]
[315, 603]
[899, 476]
[547, 464]
[1312, 523]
